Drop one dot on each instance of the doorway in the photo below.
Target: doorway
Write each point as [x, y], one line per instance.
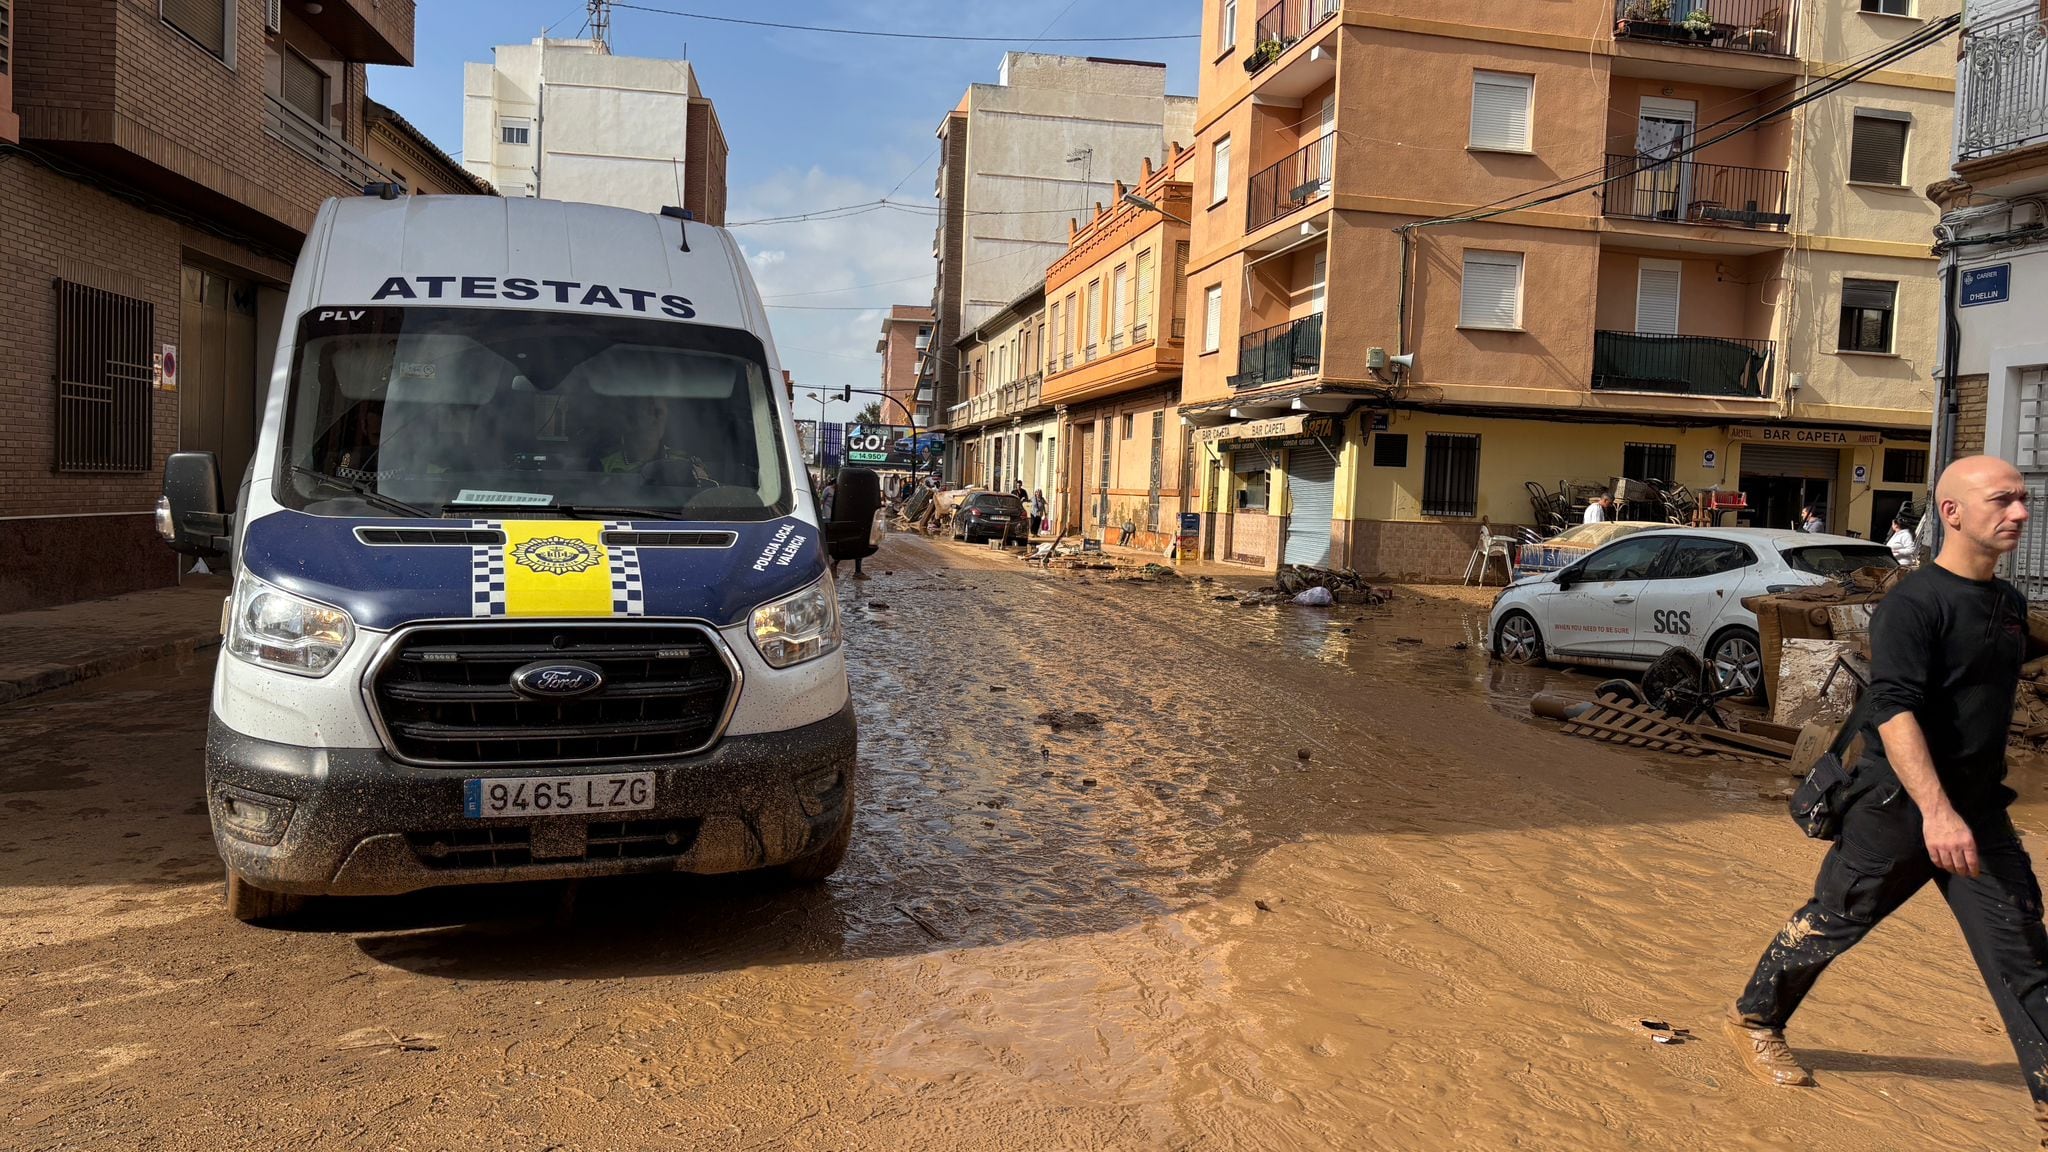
[1663, 130]
[1780, 481]
[219, 404]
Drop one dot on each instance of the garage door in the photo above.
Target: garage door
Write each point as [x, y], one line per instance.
[1311, 495]
[1804, 463]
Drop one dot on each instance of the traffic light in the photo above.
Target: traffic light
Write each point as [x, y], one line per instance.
[846, 394]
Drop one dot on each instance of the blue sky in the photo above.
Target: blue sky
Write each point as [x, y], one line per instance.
[814, 121]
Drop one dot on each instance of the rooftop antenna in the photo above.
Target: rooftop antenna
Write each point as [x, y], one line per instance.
[601, 23]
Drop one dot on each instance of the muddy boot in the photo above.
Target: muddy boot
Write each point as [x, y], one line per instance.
[2041, 1120]
[1765, 1053]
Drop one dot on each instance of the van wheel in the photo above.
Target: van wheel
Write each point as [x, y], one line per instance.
[252, 905]
[1737, 658]
[814, 867]
[1517, 640]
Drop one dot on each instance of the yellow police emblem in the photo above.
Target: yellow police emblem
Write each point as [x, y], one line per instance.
[557, 555]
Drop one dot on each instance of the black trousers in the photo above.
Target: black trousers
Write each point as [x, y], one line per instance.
[1878, 864]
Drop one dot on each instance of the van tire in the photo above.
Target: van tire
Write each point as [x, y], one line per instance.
[252, 905]
[813, 867]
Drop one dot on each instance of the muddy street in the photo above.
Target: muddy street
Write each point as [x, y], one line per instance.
[1134, 867]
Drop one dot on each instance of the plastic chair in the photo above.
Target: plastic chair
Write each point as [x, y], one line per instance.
[1490, 546]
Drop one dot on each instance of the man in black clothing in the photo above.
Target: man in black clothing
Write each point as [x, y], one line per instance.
[1928, 800]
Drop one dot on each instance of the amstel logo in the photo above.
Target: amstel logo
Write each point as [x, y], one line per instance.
[557, 555]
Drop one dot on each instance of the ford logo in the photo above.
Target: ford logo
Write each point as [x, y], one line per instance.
[557, 678]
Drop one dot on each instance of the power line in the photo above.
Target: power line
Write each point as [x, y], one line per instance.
[869, 32]
[930, 211]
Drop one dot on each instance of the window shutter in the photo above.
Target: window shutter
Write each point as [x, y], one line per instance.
[1500, 111]
[1219, 172]
[305, 87]
[1120, 301]
[1657, 297]
[1145, 287]
[1877, 149]
[273, 15]
[205, 21]
[1212, 320]
[1492, 290]
[1877, 294]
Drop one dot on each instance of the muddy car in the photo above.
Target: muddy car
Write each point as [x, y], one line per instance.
[992, 516]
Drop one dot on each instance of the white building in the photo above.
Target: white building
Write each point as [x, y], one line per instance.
[1995, 236]
[567, 120]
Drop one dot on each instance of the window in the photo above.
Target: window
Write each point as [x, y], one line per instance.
[1212, 318]
[1833, 560]
[1492, 292]
[1250, 466]
[1145, 296]
[1629, 559]
[304, 86]
[1093, 317]
[204, 22]
[1052, 350]
[1657, 462]
[1130, 427]
[1219, 172]
[1877, 147]
[1073, 330]
[104, 369]
[1867, 307]
[1693, 559]
[1180, 289]
[1657, 285]
[1229, 29]
[1889, 7]
[1450, 475]
[515, 130]
[1905, 465]
[1120, 303]
[1500, 111]
[1390, 450]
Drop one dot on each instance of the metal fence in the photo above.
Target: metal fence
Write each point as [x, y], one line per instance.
[1682, 365]
[1761, 26]
[104, 376]
[1281, 352]
[1291, 185]
[1289, 20]
[316, 143]
[1645, 188]
[2029, 564]
[2003, 93]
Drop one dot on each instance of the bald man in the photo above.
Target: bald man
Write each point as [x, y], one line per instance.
[1928, 799]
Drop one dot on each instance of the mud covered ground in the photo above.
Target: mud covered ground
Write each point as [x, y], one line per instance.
[1297, 879]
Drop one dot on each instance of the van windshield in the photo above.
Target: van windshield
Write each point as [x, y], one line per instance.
[481, 412]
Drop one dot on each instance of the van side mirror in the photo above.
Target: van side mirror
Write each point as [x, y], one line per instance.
[857, 501]
[189, 515]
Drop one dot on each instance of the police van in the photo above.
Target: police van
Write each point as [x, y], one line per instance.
[528, 578]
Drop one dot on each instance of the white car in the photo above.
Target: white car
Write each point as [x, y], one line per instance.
[1627, 603]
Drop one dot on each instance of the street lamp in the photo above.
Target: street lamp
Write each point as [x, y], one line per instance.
[1133, 198]
[818, 441]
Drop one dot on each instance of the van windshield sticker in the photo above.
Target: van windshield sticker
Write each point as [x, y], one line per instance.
[486, 496]
[525, 288]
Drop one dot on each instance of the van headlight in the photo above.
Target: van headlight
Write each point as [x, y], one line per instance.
[799, 627]
[270, 627]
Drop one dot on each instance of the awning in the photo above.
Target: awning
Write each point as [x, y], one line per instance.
[1278, 428]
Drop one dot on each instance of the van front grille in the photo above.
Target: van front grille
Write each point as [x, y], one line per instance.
[445, 694]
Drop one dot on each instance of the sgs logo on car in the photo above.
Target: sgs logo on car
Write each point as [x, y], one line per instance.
[1671, 623]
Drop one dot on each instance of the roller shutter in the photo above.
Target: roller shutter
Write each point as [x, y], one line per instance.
[1805, 463]
[1311, 497]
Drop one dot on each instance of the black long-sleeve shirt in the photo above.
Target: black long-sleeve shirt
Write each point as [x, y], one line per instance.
[1948, 649]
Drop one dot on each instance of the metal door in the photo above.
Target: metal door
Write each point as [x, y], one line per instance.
[1311, 503]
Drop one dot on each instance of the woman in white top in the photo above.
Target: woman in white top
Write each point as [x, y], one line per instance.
[1905, 549]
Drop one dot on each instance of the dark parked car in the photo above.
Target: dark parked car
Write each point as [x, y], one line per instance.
[989, 515]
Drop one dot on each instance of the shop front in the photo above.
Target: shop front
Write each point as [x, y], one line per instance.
[1274, 488]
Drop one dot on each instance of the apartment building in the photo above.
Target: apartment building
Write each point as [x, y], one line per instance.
[1003, 432]
[170, 158]
[906, 335]
[416, 163]
[567, 120]
[1995, 265]
[1116, 326]
[1017, 159]
[1492, 246]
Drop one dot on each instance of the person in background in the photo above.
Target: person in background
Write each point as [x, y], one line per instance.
[831, 491]
[1905, 549]
[1810, 520]
[1600, 510]
[1038, 512]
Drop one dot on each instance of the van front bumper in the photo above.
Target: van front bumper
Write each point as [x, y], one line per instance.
[356, 822]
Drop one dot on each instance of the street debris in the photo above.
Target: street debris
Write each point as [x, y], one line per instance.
[1262, 906]
[1301, 754]
[1060, 721]
[1317, 597]
[1614, 720]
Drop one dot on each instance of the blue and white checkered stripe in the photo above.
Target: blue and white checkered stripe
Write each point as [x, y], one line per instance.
[629, 597]
[487, 574]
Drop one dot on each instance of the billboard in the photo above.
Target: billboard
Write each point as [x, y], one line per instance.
[893, 446]
[807, 440]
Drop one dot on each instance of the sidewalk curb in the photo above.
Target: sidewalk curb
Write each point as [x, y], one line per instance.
[34, 681]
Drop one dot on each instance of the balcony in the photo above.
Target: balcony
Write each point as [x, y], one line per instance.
[1281, 352]
[1682, 365]
[1762, 27]
[322, 147]
[1688, 192]
[1282, 25]
[2003, 93]
[1291, 185]
[998, 403]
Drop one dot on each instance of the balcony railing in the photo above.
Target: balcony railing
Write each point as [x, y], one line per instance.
[1281, 352]
[1291, 185]
[1644, 188]
[1682, 365]
[1284, 23]
[2004, 86]
[999, 402]
[320, 146]
[1760, 26]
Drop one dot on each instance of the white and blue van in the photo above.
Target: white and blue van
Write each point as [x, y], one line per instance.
[529, 579]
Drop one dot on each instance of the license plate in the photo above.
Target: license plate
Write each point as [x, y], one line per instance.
[510, 796]
[999, 519]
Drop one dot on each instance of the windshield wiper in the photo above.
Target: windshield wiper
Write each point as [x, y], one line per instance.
[578, 511]
[368, 494]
